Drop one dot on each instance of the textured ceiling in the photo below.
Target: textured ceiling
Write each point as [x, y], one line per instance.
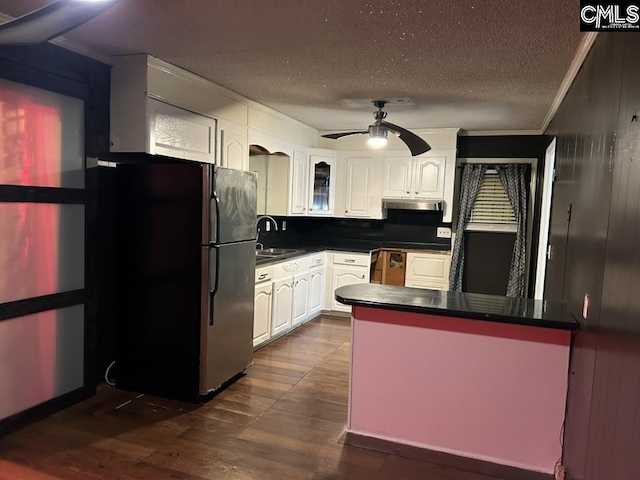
[473, 64]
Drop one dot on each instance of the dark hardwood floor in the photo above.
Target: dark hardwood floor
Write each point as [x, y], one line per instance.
[283, 420]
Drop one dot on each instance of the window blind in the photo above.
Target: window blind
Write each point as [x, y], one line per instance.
[492, 204]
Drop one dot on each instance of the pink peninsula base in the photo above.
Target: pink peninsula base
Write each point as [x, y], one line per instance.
[486, 390]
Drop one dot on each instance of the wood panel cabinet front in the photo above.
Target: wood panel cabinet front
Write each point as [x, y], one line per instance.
[300, 297]
[234, 147]
[299, 182]
[316, 290]
[262, 313]
[428, 267]
[398, 174]
[358, 184]
[429, 177]
[282, 306]
[178, 133]
[346, 275]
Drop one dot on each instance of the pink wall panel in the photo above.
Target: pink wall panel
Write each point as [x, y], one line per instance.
[486, 390]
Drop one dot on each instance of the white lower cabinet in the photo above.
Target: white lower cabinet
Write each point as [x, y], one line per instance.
[316, 290]
[428, 270]
[300, 297]
[282, 306]
[262, 313]
[346, 275]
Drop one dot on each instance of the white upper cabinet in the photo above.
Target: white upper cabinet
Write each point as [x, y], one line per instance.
[178, 133]
[322, 186]
[358, 186]
[234, 147]
[415, 177]
[299, 182]
[398, 175]
[429, 177]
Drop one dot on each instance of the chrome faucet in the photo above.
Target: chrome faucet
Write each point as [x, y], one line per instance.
[275, 226]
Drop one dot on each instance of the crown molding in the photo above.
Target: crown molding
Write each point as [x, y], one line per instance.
[490, 133]
[583, 50]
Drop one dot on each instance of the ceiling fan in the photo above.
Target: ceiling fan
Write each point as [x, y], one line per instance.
[379, 130]
[51, 21]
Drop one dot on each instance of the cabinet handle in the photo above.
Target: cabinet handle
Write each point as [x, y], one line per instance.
[349, 260]
[363, 277]
[408, 191]
[346, 211]
[416, 193]
[263, 276]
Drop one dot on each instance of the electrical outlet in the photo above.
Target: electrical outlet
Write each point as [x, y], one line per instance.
[444, 232]
[284, 225]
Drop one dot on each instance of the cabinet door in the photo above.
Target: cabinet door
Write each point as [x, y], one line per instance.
[178, 133]
[322, 185]
[358, 190]
[397, 177]
[300, 297]
[262, 313]
[299, 183]
[282, 306]
[316, 290]
[428, 180]
[344, 275]
[425, 267]
[234, 149]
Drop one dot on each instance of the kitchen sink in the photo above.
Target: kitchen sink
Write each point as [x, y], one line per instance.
[278, 251]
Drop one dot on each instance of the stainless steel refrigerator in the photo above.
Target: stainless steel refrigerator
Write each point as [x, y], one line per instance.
[185, 277]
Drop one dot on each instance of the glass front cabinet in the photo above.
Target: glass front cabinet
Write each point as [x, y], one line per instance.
[322, 185]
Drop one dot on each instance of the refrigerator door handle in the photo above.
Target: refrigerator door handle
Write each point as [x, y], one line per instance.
[213, 291]
[215, 215]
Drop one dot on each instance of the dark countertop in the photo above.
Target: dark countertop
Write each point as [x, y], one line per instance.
[350, 246]
[476, 306]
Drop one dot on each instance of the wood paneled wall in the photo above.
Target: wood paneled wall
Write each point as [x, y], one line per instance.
[597, 251]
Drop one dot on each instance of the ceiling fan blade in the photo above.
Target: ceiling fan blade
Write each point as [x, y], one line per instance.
[335, 136]
[50, 21]
[416, 144]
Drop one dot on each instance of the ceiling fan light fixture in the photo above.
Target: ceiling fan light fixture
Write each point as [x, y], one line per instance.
[377, 136]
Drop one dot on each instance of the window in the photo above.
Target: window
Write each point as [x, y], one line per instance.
[492, 210]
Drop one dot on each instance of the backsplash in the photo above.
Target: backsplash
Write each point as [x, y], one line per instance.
[401, 226]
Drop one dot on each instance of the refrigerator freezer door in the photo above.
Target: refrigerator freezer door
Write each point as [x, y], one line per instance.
[227, 323]
[233, 206]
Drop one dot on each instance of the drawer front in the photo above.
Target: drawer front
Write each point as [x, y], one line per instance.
[316, 260]
[351, 259]
[290, 268]
[428, 267]
[264, 274]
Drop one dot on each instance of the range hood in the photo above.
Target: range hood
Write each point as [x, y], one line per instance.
[412, 204]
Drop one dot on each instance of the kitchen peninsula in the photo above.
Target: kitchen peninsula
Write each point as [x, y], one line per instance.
[473, 375]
